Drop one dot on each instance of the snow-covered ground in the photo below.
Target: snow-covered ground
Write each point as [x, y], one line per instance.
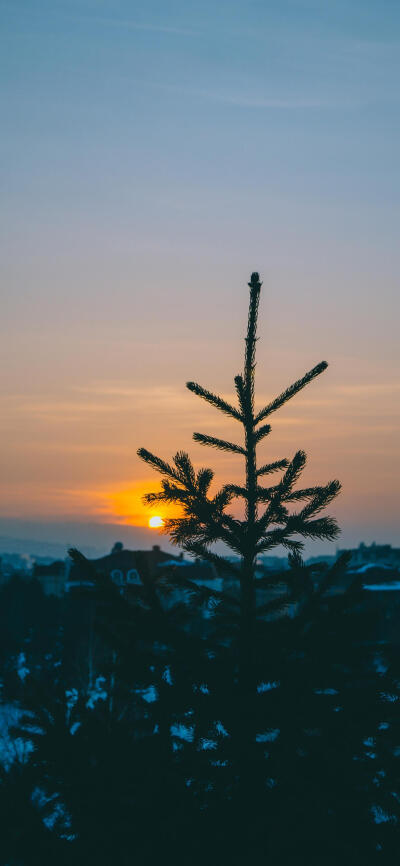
[13, 748]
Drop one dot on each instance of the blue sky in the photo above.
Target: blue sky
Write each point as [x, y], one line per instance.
[153, 154]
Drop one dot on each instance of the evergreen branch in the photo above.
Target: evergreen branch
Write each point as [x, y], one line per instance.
[201, 551]
[265, 494]
[226, 621]
[236, 490]
[272, 467]
[271, 539]
[268, 517]
[204, 479]
[205, 517]
[236, 530]
[281, 513]
[274, 605]
[222, 499]
[299, 578]
[305, 493]
[293, 545]
[261, 433]
[218, 443]
[276, 537]
[153, 498]
[216, 401]
[322, 527]
[189, 528]
[201, 591]
[212, 512]
[205, 520]
[295, 561]
[269, 582]
[170, 494]
[275, 511]
[293, 471]
[157, 463]
[185, 469]
[322, 498]
[332, 574]
[291, 391]
[341, 563]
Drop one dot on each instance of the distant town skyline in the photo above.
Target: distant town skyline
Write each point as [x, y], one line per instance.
[153, 155]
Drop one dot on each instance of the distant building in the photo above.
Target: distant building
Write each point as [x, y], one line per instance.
[374, 554]
[13, 564]
[124, 567]
[273, 563]
[52, 578]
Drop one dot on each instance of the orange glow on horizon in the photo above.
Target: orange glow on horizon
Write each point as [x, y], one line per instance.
[125, 505]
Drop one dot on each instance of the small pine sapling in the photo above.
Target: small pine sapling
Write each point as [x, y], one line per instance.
[268, 520]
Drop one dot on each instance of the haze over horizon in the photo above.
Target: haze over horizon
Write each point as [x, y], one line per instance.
[153, 155]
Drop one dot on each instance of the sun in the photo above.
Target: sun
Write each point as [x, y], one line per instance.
[156, 522]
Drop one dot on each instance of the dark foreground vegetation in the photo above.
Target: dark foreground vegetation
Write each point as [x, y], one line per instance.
[134, 742]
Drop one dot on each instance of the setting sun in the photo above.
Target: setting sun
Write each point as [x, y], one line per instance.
[156, 522]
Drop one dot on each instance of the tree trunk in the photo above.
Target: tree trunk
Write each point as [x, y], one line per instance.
[247, 590]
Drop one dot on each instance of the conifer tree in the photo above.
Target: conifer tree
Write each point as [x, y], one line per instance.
[269, 518]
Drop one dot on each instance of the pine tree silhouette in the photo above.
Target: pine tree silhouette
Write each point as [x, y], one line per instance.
[268, 521]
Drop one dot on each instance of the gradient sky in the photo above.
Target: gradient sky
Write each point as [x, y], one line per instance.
[153, 155]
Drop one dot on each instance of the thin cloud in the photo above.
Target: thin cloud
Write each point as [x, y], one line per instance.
[243, 101]
[119, 389]
[99, 399]
[339, 395]
[249, 100]
[368, 390]
[128, 24]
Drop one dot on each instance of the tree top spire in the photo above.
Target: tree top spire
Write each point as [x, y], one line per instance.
[255, 282]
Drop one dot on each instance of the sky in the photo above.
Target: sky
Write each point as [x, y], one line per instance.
[152, 156]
